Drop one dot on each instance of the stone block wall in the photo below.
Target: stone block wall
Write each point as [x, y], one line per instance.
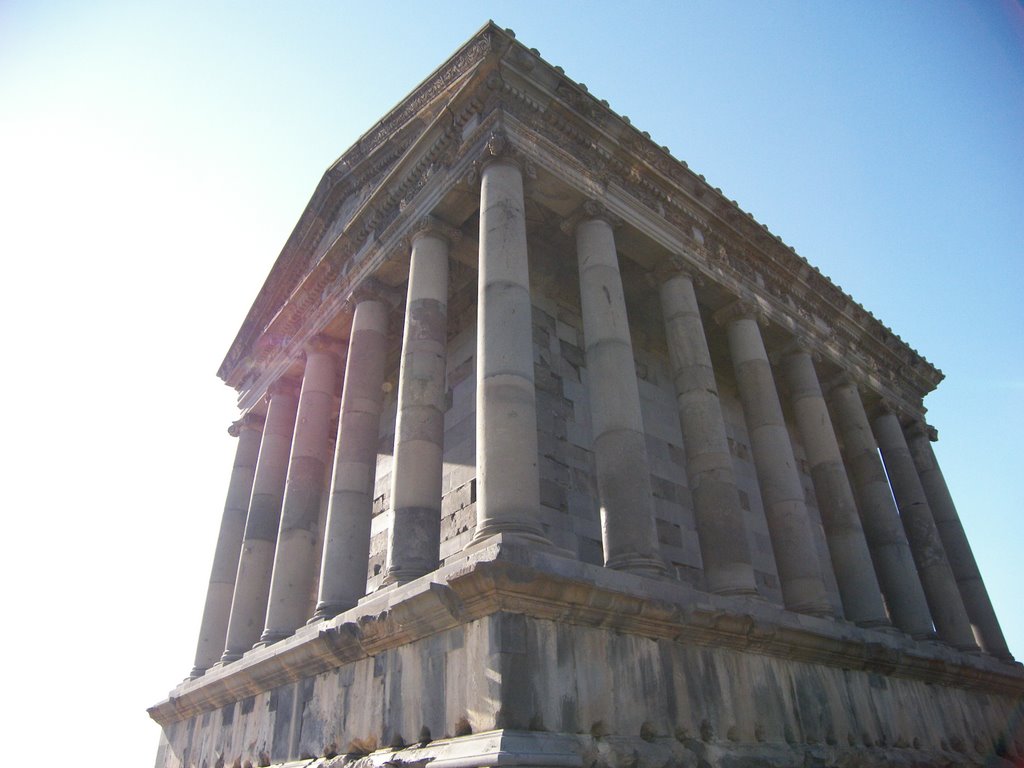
[570, 510]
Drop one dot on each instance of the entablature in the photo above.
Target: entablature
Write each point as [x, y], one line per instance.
[416, 158]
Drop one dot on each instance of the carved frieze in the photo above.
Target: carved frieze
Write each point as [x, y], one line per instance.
[456, 67]
[582, 131]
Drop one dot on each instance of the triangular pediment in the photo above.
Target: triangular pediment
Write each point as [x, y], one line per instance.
[356, 177]
[416, 159]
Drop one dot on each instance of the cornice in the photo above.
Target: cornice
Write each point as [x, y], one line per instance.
[381, 226]
[600, 153]
[364, 161]
[719, 230]
[507, 576]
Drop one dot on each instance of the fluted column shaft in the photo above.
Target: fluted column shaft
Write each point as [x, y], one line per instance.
[721, 527]
[414, 539]
[217, 611]
[954, 541]
[256, 561]
[847, 545]
[800, 574]
[508, 482]
[350, 511]
[620, 451]
[289, 606]
[947, 607]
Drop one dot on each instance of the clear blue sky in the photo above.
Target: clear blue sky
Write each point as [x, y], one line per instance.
[154, 157]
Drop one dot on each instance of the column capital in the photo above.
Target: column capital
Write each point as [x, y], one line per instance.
[371, 289]
[921, 428]
[284, 386]
[431, 226]
[590, 209]
[498, 148]
[324, 345]
[675, 265]
[883, 407]
[841, 379]
[798, 344]
[250, 421]
[741, 309]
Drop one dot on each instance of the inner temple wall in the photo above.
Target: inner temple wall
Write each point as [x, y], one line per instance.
[570, 511]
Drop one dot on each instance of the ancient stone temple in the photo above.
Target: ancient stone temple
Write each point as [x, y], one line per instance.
[550, 455]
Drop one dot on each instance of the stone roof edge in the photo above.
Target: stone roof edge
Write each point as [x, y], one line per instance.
[471, 53]
[661, 162]
[359, 247]
[666, 174]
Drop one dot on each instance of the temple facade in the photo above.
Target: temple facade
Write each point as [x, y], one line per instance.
[551, 455]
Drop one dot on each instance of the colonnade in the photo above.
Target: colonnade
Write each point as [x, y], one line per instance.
[897, 549]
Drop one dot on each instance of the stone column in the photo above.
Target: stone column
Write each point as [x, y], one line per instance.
[620, 451]
[214, 627]
[886, 538]
[847, 545]
[508, 482]
[947, 607]
[256, 561]
[954, 541]
[288, 607]
[347, 533]
[414, 539]
[800, 574]
[721, 527]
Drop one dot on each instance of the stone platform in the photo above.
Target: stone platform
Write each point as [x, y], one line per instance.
[513, 655]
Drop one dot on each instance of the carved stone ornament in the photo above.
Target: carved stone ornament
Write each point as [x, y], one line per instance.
[595, 209]
[799, 344]
[284, 386]
[498, 144]
[741, 309]
[884, 407]
[370, 289]
[677, 265]
[250, 421]
[918, 428]
[590, 210]
[841, 379]
[324, 345]
[433, 226]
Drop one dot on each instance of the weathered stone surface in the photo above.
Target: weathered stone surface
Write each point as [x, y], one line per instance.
[511, 638]
[350, 509]
[256, 561]
[937, 577]
[800, 571]
[522, 435]
[292, 591]
[414, 538]
[724, 539]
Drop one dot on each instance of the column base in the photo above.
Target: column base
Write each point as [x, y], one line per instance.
[813, 609]
[230, 656]
[196, 672]
[404, 575]
[326, 611]
[738, 592]
[520, 530]
[271, 636]
[874, 623]
[638, 564]
[971, 649]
